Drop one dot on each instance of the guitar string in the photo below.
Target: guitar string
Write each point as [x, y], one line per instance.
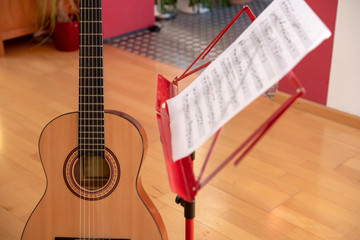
[100, 123]
[81, 112]
[96, 70]
[82, 205]
[85, 71]
[86, 107]
[91, 73]
[93, 88]
[87, 120]
[101, 91]
[101, 106]
[94, 113]
[81, 107]
[84, 120]
[93, 123]
[92, 117]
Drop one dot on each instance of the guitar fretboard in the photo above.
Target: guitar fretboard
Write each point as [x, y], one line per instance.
[91, 92]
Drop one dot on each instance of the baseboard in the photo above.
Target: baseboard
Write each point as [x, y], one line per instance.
[321, 110]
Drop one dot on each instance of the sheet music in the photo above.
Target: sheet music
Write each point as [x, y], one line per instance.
[264, 53]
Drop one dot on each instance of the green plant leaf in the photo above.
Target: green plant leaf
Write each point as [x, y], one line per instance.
[43, 16]
[52, 16]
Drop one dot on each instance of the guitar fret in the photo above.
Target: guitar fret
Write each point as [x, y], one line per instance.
[82, 95]
[91, 92]
[91, 28]
[84, 131]
[93, 107]
[98, 139]
[89, 144]
[96, 144]
[83, 70]
[92, 141]
[91, 118]
[90, 4]
[91, 122]
[94, 118]
[90, 45]
[89, 139]
[87, 133]
[97, 51]
[90, 103]
[85, 151]
[83, 112]
[92, 67]
[91, 34]
[91, 39]
[98, 72]
[90, 77]
[88, 125]
[85, 23]
[92, 150]
[84, 116]
[92, 132]
[93, 111]
[89, 130]
[84, 138]
[101, 135]
[91, 61]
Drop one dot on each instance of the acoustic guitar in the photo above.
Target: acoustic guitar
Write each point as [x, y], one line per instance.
[92, 160]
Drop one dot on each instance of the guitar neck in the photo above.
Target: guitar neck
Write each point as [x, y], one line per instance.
[91, 84]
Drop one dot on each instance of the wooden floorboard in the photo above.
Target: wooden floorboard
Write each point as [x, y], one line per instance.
[302, 181]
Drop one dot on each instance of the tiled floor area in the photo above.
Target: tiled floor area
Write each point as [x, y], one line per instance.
[182, 39]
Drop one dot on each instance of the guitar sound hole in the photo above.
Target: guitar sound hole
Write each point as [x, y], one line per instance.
[92, 172]
[91, 177]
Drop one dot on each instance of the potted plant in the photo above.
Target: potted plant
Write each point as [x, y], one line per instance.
[199, 6]
[165, 9]
[194, 6]
[60, 20]
[241, 2]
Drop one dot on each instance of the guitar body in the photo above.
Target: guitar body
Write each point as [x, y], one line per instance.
[119, 210]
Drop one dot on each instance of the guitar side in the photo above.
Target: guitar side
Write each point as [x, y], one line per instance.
[126, 212]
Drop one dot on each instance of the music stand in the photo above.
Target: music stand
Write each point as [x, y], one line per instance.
[181, 176]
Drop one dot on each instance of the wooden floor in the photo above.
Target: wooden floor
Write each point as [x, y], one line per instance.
[301, 182]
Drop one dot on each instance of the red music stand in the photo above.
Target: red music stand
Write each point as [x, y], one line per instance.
[181, 175]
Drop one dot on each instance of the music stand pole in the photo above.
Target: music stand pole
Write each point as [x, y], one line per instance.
[189, 213]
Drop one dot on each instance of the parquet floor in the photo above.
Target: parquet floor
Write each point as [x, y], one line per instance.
[301, 182]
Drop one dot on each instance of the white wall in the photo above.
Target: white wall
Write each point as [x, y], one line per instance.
[344, 85]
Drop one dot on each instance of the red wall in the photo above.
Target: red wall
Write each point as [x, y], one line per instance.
[124, 16]
[314, 70]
